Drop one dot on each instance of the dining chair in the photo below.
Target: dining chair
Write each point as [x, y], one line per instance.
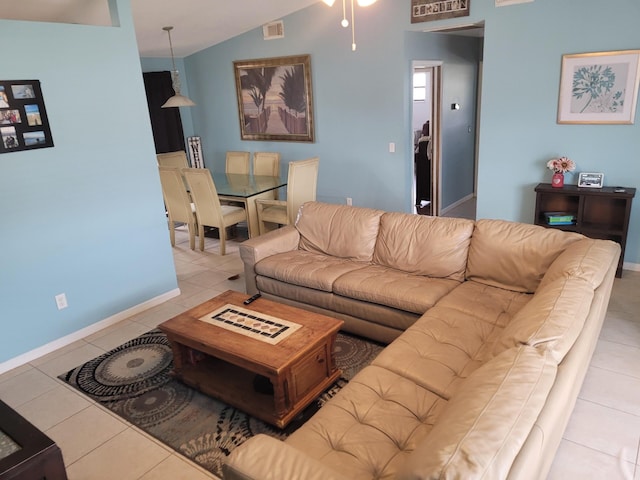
[237, 162]
[209, 212]
[266, 163]
[178, 203]
[173, 159]
[301, 188]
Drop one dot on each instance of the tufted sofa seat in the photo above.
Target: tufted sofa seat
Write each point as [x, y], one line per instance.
[481, 374]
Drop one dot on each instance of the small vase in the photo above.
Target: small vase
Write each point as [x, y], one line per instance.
[557, 180]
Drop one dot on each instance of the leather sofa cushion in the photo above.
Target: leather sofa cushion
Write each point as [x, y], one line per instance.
[513, 255]
[338, 230]
[485, 424]
[371, 426]
[452, 339]
[583, 259]
[422, 245]
[552, 320]
[393, 288]
[307, 269]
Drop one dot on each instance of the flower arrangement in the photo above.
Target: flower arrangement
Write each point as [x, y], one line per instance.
[561, 165]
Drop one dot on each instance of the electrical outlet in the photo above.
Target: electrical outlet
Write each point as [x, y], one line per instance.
[349, 201]
[392, 147]
[61, 301]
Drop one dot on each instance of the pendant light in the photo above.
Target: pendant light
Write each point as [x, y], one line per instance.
[178, 100]
[345, 22]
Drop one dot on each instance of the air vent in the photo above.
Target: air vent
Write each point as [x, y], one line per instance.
[273, 30]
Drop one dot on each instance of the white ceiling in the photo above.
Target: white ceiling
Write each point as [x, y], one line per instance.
[198, 24]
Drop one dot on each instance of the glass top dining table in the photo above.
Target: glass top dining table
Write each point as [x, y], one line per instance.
[245, 186]
[247, 189]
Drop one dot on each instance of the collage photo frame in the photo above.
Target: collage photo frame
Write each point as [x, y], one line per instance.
[23, 118]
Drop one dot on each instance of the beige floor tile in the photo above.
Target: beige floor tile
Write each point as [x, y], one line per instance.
[117, 337]
[576, 462]
[604, 429]
[616, 357]
[127, 456]
[210, 278]
[612, 389]
[198, 297]
[84, 431]
[15, 371]
[71, 359]
[621, 330]
[53, 407]
[175, 468]
[155, 316]
[25, 386]
[59, 352]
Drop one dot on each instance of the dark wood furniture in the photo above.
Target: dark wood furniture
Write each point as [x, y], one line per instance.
[229, 366]
[599, 212]
[33, 456]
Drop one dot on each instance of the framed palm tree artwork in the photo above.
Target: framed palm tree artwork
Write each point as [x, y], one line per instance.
[275, 100]
[599, 88]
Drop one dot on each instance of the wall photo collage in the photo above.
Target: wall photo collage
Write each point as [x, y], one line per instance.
[23, 118]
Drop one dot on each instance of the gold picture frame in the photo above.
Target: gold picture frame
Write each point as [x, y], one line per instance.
[275, 99]
[599, 88]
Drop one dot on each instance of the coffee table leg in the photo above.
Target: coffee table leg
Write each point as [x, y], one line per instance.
[281, 400]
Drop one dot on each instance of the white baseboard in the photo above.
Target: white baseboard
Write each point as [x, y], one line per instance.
[457, 203]
[631, 266]
[84, 332]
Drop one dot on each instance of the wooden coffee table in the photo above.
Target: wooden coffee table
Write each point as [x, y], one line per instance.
[224, 356]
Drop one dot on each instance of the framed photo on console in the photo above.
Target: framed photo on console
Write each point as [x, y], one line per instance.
[591, 180]
[23, 118]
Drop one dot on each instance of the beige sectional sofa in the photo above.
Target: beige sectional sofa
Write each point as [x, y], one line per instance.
[491, 326]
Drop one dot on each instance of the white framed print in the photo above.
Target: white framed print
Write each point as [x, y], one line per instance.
[590, 180]
[599, 88]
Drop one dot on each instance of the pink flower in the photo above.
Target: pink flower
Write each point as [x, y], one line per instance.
[561, 165]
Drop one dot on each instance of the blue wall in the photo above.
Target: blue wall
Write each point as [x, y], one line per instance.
[361, 100]
[86, 217]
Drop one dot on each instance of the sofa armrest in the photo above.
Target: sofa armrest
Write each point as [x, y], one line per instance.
[282, 240]
[263, 457]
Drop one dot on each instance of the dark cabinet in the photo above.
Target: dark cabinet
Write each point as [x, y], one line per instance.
[597, 212]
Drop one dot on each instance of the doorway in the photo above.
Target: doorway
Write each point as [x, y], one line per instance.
[445, 106]
[426, 134]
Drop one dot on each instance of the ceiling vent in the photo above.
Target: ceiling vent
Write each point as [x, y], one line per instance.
[273, 30]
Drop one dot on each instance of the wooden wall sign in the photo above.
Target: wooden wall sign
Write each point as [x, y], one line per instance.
[427, 10]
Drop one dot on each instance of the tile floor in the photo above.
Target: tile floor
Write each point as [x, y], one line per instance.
[602, 439]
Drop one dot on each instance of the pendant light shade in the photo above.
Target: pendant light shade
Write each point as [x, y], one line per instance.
[178, 100]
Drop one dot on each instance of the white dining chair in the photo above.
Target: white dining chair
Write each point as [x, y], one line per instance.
[209, 211]
[301, 187]
[173, 159]
[177, 202]
[237, 162]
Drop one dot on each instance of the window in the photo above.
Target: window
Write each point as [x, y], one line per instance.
[419, 86]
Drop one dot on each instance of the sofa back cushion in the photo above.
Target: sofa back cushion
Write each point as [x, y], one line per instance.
[588, 259]
[338, 230]
[552, 320]
[421, 245]
[485, 424]
[514, 256]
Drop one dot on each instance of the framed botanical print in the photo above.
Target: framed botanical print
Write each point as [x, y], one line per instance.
[599, 88]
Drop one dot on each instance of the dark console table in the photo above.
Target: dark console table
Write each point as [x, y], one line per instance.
[598, 212]
[26, 452]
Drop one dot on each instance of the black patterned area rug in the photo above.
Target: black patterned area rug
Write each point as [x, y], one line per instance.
[134, 381]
